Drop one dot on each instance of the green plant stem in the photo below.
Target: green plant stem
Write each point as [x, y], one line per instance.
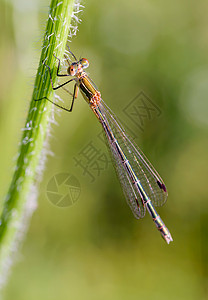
[17, 206]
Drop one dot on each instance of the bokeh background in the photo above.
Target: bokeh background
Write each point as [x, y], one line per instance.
[95, 249]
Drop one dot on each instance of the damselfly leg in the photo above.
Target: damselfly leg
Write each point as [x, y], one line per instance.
[76, 88]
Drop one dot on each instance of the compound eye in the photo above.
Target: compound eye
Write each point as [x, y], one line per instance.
[84, 62]
[72, 70]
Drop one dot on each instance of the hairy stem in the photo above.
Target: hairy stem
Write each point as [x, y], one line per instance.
[21, 198]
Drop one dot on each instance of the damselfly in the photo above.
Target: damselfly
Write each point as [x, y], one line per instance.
[141, 184]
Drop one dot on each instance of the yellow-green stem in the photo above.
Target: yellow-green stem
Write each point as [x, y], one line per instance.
[17, 206]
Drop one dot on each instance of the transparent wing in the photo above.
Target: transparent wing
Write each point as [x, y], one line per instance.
[133, 199]
[148, 176]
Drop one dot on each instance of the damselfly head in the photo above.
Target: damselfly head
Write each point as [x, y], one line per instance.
[77, 67]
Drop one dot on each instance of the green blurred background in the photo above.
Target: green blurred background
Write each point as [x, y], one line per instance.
[95, 249]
